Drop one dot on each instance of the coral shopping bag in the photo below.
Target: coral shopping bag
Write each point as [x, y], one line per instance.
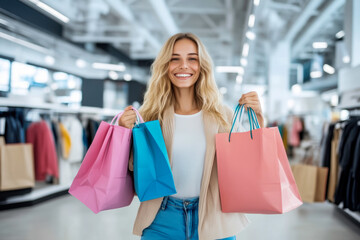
[104, 181]
[152, 172]
[253, 170]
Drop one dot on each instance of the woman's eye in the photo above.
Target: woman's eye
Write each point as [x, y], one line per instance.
[174, 59]
[193, 59]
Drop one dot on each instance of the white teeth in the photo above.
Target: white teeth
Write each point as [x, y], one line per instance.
[183, 75]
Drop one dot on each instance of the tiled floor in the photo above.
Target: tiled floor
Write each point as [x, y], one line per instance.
[66, 218]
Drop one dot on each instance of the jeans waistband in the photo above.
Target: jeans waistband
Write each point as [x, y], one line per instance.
[189, 203]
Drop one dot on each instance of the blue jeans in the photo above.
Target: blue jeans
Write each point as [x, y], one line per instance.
[177, 219]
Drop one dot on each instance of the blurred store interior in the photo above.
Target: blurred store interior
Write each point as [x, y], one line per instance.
[78, 62]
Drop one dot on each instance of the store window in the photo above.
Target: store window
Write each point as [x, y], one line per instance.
[4, 74]
[25, 76]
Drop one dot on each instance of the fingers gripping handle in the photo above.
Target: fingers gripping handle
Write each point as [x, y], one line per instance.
[138, 117]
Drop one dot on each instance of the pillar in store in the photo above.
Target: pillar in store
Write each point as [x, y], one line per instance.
[352, 30]
[279, 66]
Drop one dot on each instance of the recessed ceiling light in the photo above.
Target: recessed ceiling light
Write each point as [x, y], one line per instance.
[251, 22]
[243, 62]
[250, 35]
[24, 43]
[223, 90]
[316, 74]
[81, 63]
[49, 60]
[245, 51]
[340, 34]
[50, 10]
[296, 89]
[320, 45]
[108, 66]
[329, 69]
[230, 69]
[127, 77]
[346, 59]
[113, 75]
[239, 79]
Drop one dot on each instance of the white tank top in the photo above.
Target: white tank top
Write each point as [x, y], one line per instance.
[188, 154]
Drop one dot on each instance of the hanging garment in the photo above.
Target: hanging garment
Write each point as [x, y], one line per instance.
[75, 130]
[91, 129]
[46, 163]
[295, 132]
[334, 165]
[13, 130]
[85, 142]
[354, 186]
[327, 151]
[351, 132]
[14, 125]
[57, 138]
[65, 141]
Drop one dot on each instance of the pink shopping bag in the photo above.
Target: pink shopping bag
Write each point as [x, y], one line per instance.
[253, 171]
[104, 181]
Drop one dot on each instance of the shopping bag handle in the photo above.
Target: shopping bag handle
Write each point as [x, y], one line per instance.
[138, 117]
[253, 121]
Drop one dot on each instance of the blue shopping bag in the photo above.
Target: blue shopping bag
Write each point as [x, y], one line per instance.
[152, 173]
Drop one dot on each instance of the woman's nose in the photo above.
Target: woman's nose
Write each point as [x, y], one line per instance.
[184, 64]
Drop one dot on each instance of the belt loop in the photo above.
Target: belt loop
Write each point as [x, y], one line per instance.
[164, 202]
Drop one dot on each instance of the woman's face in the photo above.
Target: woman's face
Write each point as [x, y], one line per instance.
[184, 67]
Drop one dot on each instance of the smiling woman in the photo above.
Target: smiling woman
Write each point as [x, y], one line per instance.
[182, 94]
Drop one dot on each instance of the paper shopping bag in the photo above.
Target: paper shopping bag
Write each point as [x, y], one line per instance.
[253, 171]
[104, 181]
[311, 182]
[305, 177]
[16, 166]
[321, 180]
[152, 173]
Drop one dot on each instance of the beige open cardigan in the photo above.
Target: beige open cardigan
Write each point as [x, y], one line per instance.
[213, 224]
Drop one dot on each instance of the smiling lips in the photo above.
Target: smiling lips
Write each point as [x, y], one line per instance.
[183, 75]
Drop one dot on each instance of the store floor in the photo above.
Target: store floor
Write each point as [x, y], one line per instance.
[66, 218]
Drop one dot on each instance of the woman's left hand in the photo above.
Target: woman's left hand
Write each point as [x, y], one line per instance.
[251, 99]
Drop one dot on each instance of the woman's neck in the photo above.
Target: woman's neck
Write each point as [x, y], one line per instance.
[185, 103]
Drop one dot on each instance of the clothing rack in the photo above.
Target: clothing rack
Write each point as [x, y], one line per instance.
[45, 192]
[354, 111]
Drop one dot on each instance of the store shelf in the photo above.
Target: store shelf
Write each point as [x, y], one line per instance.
[36, 196]
[56, 108]
[350, 100]
[354, 216]
[321, 84]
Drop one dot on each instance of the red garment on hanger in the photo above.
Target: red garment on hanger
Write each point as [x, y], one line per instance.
[45, 158]
[297, 127]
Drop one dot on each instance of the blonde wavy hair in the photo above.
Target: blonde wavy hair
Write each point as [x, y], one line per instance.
[160, 95]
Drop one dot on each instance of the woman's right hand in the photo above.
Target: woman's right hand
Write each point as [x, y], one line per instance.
[128, 118]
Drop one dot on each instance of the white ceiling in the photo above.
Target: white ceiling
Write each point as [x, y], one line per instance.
[140, 27]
